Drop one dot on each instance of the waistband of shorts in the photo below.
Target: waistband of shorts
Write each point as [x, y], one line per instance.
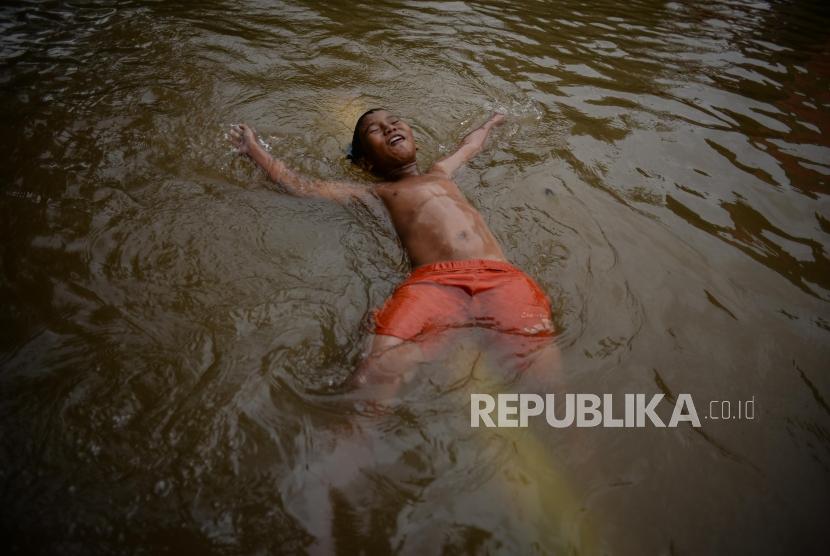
[468, 264]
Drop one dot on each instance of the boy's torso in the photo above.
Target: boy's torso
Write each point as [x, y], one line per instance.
[436, 222]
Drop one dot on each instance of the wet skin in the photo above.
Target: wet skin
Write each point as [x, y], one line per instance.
[434, 220]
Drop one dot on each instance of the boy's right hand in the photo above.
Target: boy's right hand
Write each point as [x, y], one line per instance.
[243, 138]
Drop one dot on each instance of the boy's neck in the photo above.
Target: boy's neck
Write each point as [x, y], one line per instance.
[405, 171]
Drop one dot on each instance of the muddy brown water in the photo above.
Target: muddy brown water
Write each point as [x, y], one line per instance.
[174, 331]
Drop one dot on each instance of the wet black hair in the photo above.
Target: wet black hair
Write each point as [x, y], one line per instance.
[356, 153]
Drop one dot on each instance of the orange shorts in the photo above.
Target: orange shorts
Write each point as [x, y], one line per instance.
[455, 294]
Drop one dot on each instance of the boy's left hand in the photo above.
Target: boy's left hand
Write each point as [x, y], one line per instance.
[496, 119]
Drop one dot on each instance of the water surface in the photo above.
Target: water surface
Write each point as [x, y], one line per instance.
[174, 331]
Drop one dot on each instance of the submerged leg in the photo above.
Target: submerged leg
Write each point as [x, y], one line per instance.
[535, 361]
[389, 358]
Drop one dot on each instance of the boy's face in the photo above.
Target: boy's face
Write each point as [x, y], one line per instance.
[387, 141]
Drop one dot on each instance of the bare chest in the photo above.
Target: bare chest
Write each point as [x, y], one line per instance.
[407, 201]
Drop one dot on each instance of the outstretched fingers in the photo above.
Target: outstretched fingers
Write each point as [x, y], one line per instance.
[234, 135]
[239, 137]
[497, 118]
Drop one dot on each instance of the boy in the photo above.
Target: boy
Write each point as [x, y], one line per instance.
[461, 277]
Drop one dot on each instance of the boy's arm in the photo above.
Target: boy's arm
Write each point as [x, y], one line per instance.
[470, 146]
[244, 139]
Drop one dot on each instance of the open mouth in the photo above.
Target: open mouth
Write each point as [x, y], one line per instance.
[395, 139]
